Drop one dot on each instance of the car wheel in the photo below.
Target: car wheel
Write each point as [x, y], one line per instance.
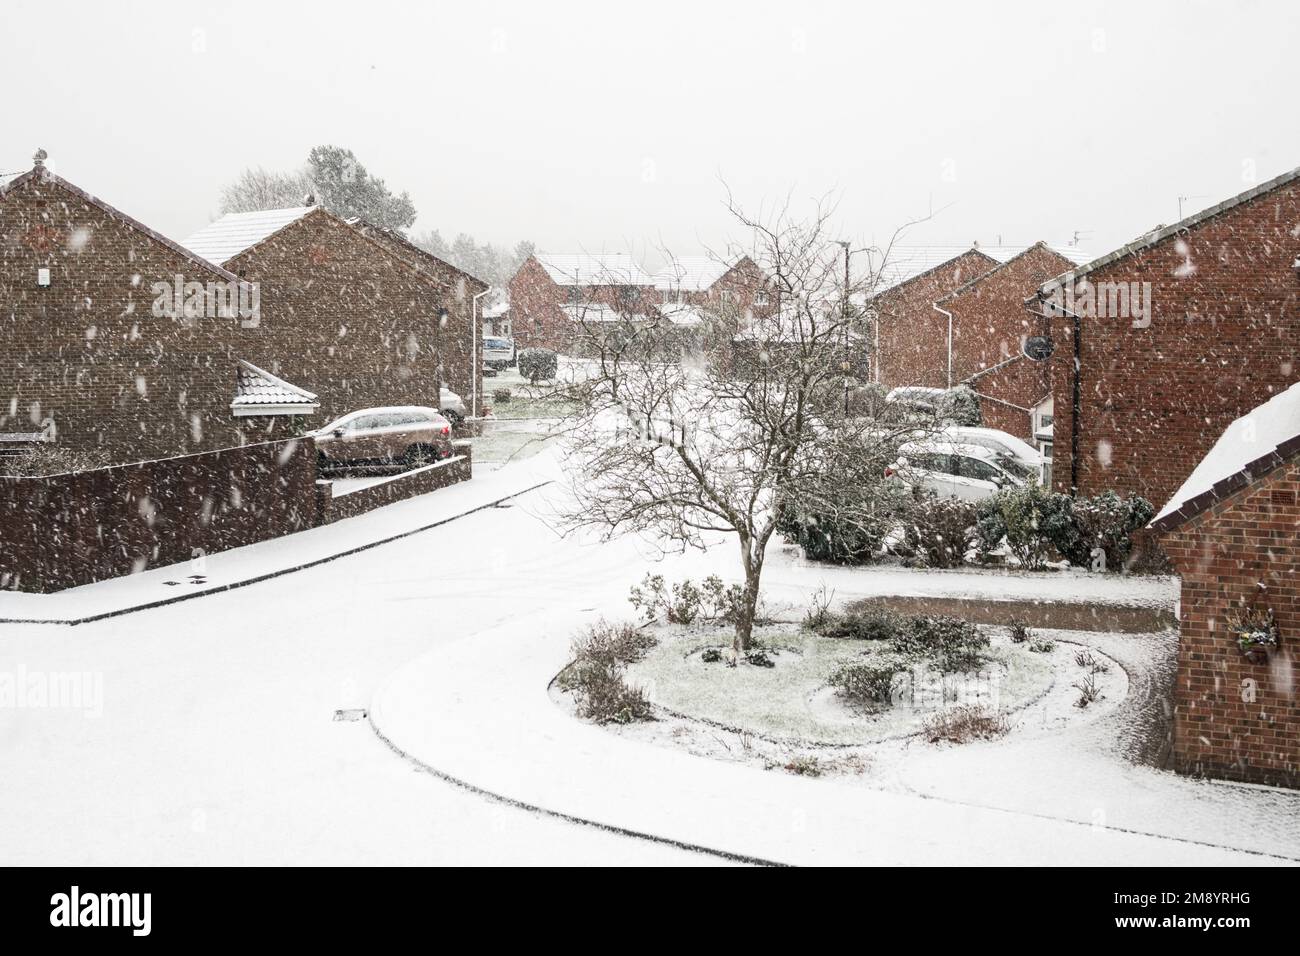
[417, 456]
[456, 418]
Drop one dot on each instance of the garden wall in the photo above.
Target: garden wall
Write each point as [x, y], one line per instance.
[62, 531]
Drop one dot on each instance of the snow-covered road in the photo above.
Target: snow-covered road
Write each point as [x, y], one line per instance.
[217, 742]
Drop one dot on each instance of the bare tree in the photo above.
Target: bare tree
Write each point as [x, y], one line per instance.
[685, 433]
[256, 189]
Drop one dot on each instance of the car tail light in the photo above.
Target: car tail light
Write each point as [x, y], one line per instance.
[446, 430]
[889, 471]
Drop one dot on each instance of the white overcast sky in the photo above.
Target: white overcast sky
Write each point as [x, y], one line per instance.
[589, 126]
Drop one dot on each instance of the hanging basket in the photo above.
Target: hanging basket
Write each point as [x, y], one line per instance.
[1256, 635]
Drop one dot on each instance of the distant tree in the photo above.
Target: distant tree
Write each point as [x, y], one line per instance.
[256, 188]
[346, 188]
[493, 264]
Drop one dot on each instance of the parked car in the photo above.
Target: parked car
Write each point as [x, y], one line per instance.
[452, 407]
[498, 353]
[953, 469]
[410, 436]
[1013, 454]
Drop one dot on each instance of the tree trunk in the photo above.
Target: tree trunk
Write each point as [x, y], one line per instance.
[748, 609]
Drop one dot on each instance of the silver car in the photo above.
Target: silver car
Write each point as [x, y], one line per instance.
[498, 353]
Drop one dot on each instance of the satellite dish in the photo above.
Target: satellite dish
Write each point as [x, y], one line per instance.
[1038, 347]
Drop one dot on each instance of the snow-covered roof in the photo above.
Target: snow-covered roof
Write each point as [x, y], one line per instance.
[691, 273]
[907, 262]
[597, 312]
[1253, 444]
[583, 269]
[496, 311]
[236, 232]
[680, 314]
[258, 392]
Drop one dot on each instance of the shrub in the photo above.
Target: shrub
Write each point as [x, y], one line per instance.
[1016, 515]
[501, 396]
[711, 655]
[52, 460]
[870, 623]
[1089, 693]
[600, 656]
[1019, 631]
[649, 598]
[685, 602]
[759, 658]
[1077, 526]
[819, 616]
[865, 684]
[940, 531]
[963, 724]
[538, 364]
[1041, 645]
[951, 642]
[802, 766]
[1088, 661]
[834, 539]
[959, 406]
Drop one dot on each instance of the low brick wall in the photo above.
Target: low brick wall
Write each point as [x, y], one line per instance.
[62, 531]
[407, 485]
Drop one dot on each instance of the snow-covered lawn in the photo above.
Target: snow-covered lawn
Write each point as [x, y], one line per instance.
[791, 701]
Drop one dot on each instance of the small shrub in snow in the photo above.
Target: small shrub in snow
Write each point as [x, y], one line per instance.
[1041, 645]
[711, 655]
[538, 365]
[1019, 631]
[596, 676]
[963, 724]
[951, 642]
[818, 615]
[865, 684]
[1089, 662]
[502, 396]
[1089, 692]
[685, 602]
[1016, 516]
[1078, 526]
[759, 658]
[801, 765]
[870, 623]
[939, 532]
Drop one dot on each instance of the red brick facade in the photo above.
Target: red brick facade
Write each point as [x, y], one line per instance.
[989, 328]
[911, 337]
[1224, 336]
[537, 305]
[1232, 718]
[87, 351]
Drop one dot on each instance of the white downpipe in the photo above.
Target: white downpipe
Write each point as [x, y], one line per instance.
[949, 315]
[473, 354]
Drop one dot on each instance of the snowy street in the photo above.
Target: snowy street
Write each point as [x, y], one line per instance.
[217, 742]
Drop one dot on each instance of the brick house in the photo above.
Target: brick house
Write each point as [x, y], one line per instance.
[551, 294]
[718, 284]
[462, 298]
[1232, 529]
[989, 326]
[350, 312]
[1174, 336]
[96, 351]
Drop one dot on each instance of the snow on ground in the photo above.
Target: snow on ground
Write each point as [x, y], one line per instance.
[217, 742]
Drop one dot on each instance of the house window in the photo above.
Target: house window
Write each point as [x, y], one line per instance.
[537, 326]
[725, 296]
[760, 297]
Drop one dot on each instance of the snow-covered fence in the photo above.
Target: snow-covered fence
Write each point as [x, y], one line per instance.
[60, 531]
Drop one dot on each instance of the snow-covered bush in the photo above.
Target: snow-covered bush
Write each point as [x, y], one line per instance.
[538, 365]
[596, 675]
[963, 724]
[502, 396]
[949, 642]
[959, 406]
[939, 532]
[1019, 632]
[871, 623]
[1018, 517]
[1078, 526]
[835, 539]
[53, 460]
[685, 602]
[867, 684]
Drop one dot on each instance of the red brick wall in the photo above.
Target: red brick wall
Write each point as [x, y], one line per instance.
[457, 289]
[88, 352]
[1222, 555]
[68, 530]
[345, 318]
[1008, 394]
[1222, 340]
[537, 319]
[913, 337]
